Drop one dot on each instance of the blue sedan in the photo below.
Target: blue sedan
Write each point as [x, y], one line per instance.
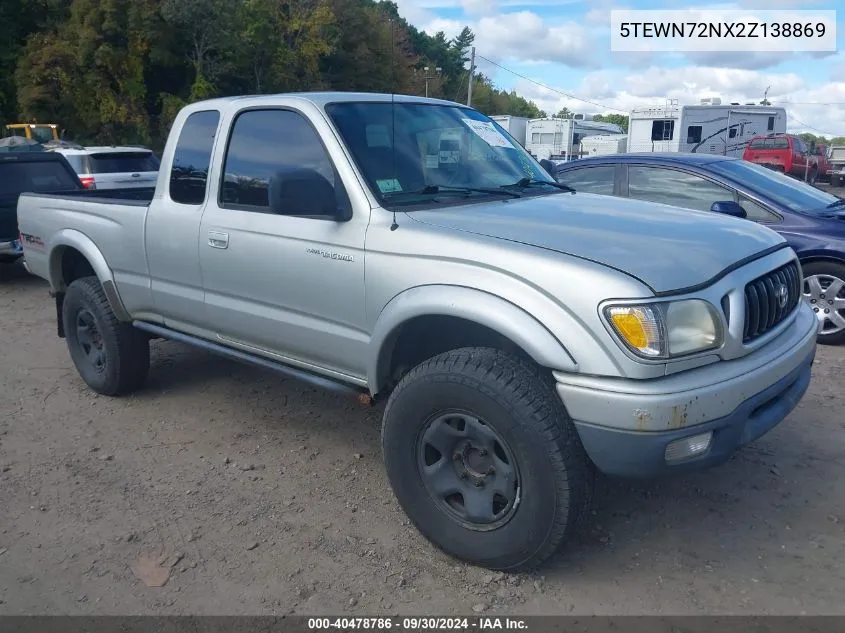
[811, 220]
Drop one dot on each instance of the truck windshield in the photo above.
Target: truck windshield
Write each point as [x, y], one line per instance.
[414, 152]
[791, 193]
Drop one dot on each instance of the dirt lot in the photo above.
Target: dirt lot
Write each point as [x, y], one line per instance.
[264, 496]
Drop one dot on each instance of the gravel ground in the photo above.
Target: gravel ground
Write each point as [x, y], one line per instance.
[243, 493]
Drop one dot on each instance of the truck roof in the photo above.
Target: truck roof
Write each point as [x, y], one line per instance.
[324, 98]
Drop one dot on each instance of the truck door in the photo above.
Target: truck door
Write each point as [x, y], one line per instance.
[276, 281]
[173, 219]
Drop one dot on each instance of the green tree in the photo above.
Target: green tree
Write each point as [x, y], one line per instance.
[619, 119]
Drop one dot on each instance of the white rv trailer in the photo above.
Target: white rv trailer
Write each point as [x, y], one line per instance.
[604, 144]
[513, 125]
[708, 128]
[560, 139]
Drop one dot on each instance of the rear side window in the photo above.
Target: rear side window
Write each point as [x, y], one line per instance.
[192, 158]
[18, 177]
[771, 125]
[123, 162]
[597, 179]
[76, 162]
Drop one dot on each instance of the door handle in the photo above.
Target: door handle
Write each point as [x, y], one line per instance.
[217, 239]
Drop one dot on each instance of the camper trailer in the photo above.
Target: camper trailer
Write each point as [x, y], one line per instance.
[707, 128]
[513, 125]
[560, 139]
[604, 144]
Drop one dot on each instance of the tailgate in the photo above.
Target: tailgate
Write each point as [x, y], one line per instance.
[767, 156]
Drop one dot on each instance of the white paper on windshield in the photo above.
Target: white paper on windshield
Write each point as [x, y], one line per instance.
[389, 186]
[488, 133]
[432, 161]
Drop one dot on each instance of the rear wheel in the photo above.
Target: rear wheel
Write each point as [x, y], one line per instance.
[824, 290]
[112, 357]
[484, 459]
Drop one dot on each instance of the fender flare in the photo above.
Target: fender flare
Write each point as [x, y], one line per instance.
[478, 306]
[70, 238]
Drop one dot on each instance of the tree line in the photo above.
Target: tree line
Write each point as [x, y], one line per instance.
[118, 71]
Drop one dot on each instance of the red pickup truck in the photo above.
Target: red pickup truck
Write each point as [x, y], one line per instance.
[785, 153]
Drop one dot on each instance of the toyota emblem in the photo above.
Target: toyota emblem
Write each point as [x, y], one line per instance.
[783, 295]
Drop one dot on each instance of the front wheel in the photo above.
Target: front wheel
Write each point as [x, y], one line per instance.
[484, 459]
[824, 290]
[112, 357]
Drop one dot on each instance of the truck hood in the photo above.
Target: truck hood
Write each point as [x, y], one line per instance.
[664, 247]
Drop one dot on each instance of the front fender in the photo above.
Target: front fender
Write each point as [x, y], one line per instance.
[70, 238]
[473, 305]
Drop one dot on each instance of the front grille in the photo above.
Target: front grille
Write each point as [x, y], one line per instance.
[770, 299]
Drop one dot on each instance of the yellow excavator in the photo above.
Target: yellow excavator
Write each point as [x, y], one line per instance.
[40, 132]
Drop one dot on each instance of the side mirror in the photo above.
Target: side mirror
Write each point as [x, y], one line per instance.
[729, 207]
[305, 191]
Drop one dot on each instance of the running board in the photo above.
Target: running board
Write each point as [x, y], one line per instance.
[249, 359]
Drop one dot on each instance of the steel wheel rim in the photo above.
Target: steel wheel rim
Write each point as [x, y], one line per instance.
[90, 341]
[468, 470]
[826, 295]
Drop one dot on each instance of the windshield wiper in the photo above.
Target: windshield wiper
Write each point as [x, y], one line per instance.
[435, 189]
[528, 182]
[838, 203]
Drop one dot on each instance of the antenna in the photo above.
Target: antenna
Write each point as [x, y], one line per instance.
[394, 225]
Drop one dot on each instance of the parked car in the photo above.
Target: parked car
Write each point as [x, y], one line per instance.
[521, 335]
[42, 172]
[785, 153]
[113, 167]
[811, 220]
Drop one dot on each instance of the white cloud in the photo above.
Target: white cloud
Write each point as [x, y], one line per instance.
[804, 105]
[525, 36]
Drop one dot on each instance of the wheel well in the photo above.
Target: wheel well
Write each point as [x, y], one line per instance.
[424, 337]
[73, 266]
[816, 259]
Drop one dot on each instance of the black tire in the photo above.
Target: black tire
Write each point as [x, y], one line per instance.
[825, 269]
[112, 357]
[514, 401]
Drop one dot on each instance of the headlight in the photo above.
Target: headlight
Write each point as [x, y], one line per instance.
[666, 330]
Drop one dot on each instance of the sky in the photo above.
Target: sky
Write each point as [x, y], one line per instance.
[565, 46]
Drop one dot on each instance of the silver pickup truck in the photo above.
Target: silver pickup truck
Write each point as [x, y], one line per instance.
[522, 335]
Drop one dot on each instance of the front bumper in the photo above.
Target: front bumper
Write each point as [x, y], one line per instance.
[626, 425]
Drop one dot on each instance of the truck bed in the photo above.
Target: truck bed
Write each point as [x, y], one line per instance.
[110, 221]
